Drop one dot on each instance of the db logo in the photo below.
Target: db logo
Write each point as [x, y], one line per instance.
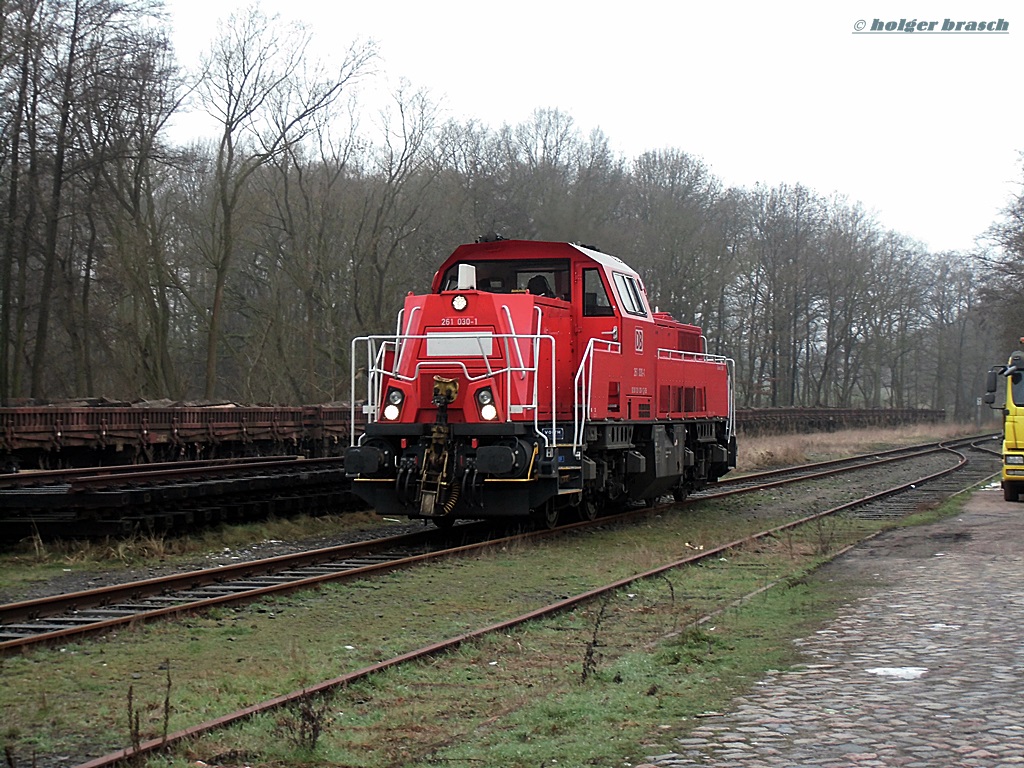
[639, 339]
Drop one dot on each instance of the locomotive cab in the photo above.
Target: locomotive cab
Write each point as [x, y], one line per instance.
[535, 378]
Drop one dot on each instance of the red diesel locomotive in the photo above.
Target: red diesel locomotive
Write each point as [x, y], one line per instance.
[535, 378]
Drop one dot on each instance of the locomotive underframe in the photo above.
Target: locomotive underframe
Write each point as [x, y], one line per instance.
[480, 471]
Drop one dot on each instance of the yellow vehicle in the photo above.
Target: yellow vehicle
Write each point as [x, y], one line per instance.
[1013, 422]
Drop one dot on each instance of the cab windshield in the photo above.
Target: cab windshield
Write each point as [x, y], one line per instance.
[1017, 389]
[548, 277]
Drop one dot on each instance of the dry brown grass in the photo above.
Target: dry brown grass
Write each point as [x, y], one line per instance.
[773, 451]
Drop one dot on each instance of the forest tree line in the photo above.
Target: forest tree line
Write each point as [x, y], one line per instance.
[240, 266]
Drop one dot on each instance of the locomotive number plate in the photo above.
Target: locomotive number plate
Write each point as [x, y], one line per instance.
[458, 345]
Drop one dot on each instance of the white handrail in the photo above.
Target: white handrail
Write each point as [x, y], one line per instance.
[582, 382]
[512, 327]
[400, 351]
[377, 347]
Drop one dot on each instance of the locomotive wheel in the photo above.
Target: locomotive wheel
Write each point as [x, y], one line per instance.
[547, 515]
[588, 510]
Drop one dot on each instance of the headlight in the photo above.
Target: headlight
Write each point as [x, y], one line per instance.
[489, 412]
[391, 412]
[395, 396]
[1013, 458]
[485, 397]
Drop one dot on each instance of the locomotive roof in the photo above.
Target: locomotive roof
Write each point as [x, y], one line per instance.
[529, 250]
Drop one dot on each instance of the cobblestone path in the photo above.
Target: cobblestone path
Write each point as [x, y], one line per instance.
[925, 672]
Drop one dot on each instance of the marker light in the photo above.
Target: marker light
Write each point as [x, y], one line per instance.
[395, 396]
[485, 397]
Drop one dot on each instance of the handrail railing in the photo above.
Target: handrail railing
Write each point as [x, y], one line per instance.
[583, 388]
[512, 327]
[703, 357]
[378, 346]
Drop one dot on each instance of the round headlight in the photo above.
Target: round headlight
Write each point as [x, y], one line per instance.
[395, 396]
[489, 412]
[459, 303]
[391, 412]
[485, 397]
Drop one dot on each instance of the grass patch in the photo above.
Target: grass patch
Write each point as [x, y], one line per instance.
[949, 508]
[520, 699]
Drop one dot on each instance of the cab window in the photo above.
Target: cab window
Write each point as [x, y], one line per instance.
[595, 297]
[630, 295]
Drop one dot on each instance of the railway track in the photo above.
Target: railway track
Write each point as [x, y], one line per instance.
[962, 457]
[836, 466]
[172, 496]
[63, 617]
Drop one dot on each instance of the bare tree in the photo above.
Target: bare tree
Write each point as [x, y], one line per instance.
[1003, 266]
[128, 211]
[60, 60]
[393, 201]
[848, 241]
[258, 88]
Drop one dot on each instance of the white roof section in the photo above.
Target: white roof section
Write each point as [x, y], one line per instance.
[606, 260]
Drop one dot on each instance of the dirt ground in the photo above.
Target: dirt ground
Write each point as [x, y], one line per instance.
[992, 527]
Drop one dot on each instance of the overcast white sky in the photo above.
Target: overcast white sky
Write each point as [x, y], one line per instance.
[925, 130]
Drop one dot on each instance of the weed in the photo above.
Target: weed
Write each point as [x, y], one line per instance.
[134, 725]
[825, 528]
[167, 699]
[590, 655]
[304, 722]
[38, 546]
[691, 647]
